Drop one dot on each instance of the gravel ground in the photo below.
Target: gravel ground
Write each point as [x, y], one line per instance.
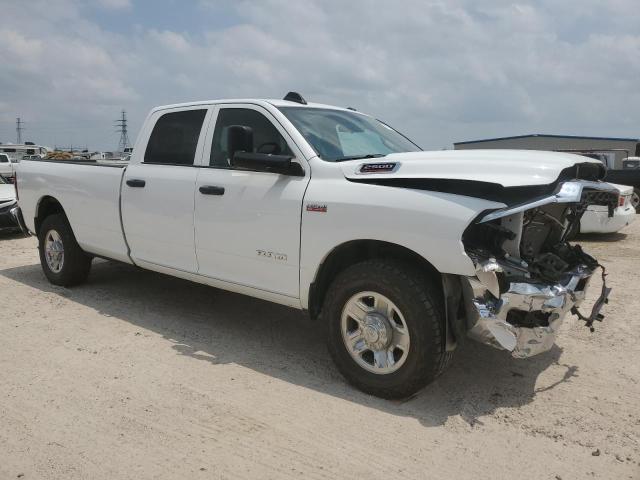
[140, 375]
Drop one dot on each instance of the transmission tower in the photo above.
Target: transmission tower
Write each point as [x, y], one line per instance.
[19, 129]
[121, 128]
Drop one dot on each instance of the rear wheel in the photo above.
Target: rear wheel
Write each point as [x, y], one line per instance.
[63, 261]
[385, 328]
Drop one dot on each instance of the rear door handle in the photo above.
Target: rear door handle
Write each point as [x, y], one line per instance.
[135, 182]
[211, 190]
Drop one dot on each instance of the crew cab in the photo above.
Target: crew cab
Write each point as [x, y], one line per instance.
[402, 253]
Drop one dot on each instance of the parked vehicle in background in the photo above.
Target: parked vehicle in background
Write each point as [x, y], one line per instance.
[8, 206]
[110, 156]
[16, 151]
[597, 220]
[403, 253]
[628, 175]
[7, 167]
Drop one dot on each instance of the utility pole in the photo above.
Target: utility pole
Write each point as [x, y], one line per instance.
[19, 129]
[121, 128]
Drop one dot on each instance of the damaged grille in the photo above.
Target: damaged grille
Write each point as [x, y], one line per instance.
[532, 243]
[527, 275]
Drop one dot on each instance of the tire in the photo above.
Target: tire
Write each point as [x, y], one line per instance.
[635, 199]
[74, 264]
[420, 313]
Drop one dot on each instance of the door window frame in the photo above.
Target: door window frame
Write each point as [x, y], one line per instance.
[213, 120]
[155, 116]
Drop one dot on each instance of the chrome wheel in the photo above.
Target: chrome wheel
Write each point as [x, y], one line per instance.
[375, 332]
[54, 251]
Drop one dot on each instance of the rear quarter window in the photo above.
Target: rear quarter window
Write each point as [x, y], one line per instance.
[174, 138]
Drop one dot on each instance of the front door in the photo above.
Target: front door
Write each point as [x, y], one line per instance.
[247, 223]
[158, 191]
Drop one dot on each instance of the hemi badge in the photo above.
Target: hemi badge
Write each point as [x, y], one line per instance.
[386, 167]
[313, 207]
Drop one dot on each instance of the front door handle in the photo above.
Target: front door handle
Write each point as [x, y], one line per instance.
[211, 190]
[135, 182]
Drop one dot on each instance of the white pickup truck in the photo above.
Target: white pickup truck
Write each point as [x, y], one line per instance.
[402, 253]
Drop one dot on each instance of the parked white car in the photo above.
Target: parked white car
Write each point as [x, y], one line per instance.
[401, 252]
[6, 166]
[597, 219]
[8, 205]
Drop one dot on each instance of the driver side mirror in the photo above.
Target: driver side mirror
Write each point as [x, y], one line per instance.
[240, 149]
[239, 139]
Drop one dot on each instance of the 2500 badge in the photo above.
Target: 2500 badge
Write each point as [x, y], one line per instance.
[280, 257]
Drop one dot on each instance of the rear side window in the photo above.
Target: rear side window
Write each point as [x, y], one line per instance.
[174, 138]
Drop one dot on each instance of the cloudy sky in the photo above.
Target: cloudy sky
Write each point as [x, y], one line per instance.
[440, 71]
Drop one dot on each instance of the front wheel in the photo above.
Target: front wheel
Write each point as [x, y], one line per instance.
[63, 261]
[385, 328]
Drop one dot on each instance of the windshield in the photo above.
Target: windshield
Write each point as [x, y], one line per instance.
[338, 135]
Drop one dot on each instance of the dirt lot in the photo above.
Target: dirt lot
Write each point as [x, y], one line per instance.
[139, 375]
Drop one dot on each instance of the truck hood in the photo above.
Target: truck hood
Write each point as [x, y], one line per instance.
[508, 168]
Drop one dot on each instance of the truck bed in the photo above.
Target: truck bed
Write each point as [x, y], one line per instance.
[90, 196]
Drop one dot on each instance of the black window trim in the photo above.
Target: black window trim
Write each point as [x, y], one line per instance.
[203, 131]
[210, 107]
[269, 116]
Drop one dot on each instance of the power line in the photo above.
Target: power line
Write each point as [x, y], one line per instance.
[121, 128]
[19, 129]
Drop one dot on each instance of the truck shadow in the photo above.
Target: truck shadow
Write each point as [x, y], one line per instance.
[601, 237]
[215, 326]
[10, 235]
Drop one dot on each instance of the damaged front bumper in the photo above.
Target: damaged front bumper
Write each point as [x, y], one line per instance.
[527, 316]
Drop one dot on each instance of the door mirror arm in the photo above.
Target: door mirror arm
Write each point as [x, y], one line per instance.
[265, 162]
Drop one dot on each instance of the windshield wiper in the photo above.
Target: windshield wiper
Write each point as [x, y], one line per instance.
[360, 157]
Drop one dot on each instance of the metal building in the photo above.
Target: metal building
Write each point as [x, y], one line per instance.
[615, 149]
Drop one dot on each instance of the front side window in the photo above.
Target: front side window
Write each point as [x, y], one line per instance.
[266, 138]
[174, 138]
[338, 135]
[4, 159]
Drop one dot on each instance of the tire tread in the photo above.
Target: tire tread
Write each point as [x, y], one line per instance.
[421, 288]
[77, 264]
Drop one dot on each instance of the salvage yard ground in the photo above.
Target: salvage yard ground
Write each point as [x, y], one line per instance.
[140, 375]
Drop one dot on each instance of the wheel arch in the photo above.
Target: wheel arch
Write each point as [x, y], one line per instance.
[356, 251]
[47, 205]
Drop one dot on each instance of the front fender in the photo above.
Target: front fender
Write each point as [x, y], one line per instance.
[431, 224]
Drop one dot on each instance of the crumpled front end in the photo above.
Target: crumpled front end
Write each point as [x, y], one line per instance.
[527, 316]
[528, 277]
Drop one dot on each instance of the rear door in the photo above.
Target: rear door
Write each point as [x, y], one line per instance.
[247, 223]
[158, 190]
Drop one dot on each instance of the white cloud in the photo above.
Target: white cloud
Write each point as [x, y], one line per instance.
[442, 71]
[115, 4]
